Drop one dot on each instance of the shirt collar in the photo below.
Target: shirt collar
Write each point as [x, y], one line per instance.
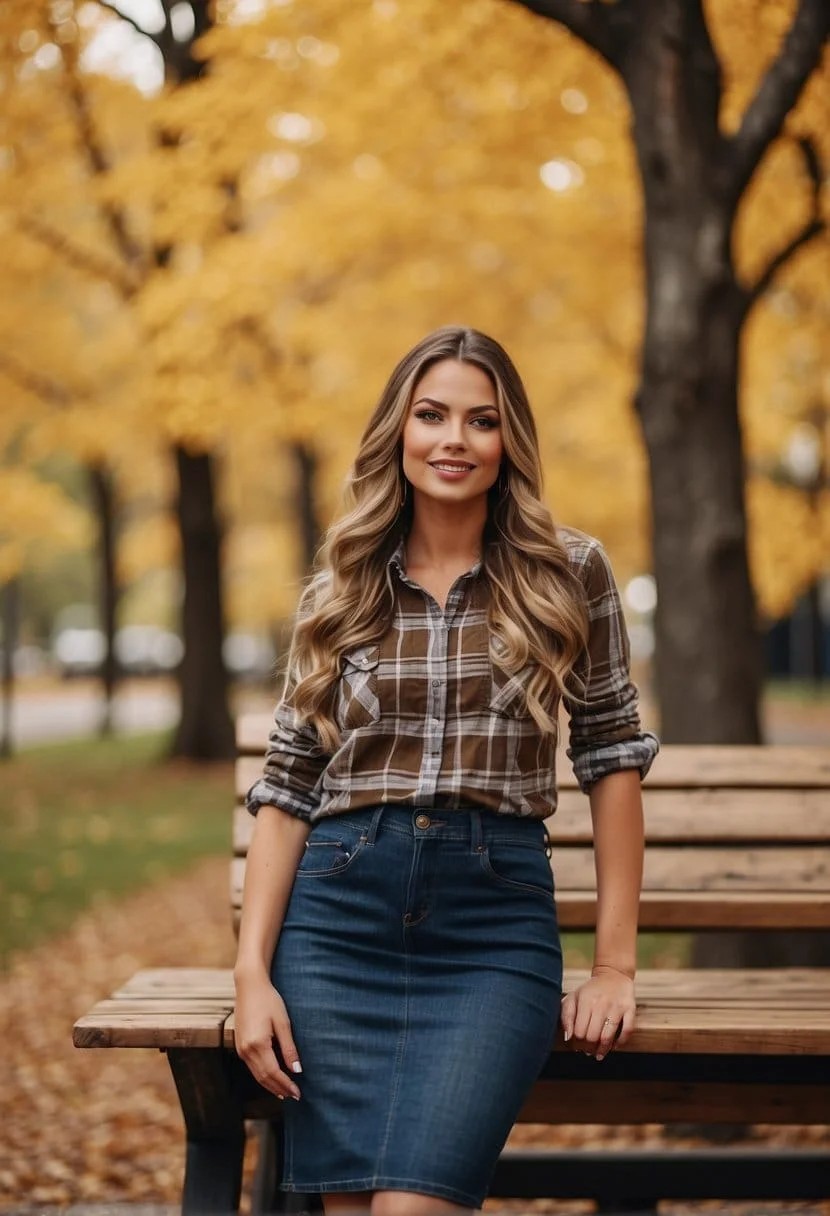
[396, 561]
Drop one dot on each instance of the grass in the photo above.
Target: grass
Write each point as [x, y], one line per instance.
[82, 820]
[653, 949]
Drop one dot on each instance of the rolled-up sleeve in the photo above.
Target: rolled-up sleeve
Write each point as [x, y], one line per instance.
[605, 731]
[294, 760]
[294, 764]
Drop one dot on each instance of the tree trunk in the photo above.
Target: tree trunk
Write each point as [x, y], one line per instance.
[205, 730]
[11, 621]
[306, 463]
[103, 497]
[708, 654]
[708, 657]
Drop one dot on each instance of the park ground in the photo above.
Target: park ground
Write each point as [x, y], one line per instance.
[85, 1128]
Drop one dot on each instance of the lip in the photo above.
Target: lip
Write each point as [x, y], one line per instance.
[451, 470]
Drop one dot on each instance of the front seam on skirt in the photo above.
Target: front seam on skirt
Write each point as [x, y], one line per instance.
[425, 947]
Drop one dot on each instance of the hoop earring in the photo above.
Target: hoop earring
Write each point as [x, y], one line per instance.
[404, 494]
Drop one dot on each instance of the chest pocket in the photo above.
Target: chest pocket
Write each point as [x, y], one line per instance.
[357, 691]
[508, 691]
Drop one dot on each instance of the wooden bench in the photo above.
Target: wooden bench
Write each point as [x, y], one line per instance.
[737, 839]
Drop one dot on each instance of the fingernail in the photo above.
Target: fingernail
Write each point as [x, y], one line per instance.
[567, 1035]
[296, 1066]
[600, 1058]
[295, 1094]
[281, 1097]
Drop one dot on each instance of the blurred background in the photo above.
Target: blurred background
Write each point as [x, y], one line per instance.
[223, 223]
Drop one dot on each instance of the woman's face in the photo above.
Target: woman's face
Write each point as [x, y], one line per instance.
[452, 442]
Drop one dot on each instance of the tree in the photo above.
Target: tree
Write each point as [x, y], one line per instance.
[694, 176]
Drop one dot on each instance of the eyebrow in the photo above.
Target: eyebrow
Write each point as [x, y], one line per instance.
[473, 409]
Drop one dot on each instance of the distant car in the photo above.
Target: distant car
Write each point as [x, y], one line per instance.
[248, 656]
[146, 650]
[79, 651]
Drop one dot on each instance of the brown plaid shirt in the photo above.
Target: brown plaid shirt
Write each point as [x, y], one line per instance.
[427, 719]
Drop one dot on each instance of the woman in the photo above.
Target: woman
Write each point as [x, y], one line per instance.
[398, 931]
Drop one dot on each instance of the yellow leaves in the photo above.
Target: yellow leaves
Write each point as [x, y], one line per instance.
[37, 519]
[339, 180]
[789, 542]
[150, 543]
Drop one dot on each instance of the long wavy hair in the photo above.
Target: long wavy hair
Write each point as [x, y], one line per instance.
[535, 605]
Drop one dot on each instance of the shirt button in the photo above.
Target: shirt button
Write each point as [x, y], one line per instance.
[422, 821]
[436, 683]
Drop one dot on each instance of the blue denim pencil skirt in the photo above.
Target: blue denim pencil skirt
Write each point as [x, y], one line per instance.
[420, 964]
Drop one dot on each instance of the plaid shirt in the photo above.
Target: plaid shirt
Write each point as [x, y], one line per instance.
[427, 719]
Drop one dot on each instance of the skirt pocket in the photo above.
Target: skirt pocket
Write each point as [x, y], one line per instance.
[524, 867]
[330, 849]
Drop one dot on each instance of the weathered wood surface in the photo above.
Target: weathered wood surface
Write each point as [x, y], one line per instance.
[691, 888]
[678, 765]
[612, 1103]
[774, 1012]
[671, 817]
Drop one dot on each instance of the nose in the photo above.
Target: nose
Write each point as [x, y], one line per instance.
[454, 440]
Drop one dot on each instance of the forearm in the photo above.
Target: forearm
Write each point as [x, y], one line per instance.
[273, 856]
[617, 814]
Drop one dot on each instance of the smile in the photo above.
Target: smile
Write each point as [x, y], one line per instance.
[448, 466]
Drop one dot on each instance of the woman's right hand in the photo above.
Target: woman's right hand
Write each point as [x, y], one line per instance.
[260, 1018]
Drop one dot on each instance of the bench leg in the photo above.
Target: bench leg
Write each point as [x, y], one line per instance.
[215, 1131]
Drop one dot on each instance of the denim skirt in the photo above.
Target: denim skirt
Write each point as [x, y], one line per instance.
[420, 964]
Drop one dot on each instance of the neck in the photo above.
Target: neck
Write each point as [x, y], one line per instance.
[444, 534]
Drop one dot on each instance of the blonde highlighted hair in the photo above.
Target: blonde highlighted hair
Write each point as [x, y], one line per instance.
[535, 603]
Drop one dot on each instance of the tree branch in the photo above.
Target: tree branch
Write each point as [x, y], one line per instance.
[777, 93]
[811, 229]
[40, 386]
[813, 226]
[139, 29]
[130, 250]
[85, 260]
[603, 27]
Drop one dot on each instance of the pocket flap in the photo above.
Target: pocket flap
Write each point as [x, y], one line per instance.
[365, 658]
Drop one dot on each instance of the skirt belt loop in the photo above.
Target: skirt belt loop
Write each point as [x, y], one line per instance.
[372, 832]
[476, 833]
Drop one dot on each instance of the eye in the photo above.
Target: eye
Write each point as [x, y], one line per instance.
[428, 415]
[485, 423]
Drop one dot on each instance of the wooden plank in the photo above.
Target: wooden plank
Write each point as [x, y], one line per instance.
[678, 765]
[706, 871]
[781, 1012]
[749, 984]
[214, 983]
[678, 817]
[710, 869]
[105, 1027]
[725, 765]
[609, 1102]
[675, 911]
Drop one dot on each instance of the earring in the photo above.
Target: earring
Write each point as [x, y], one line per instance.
[503, 485]
[404, 493]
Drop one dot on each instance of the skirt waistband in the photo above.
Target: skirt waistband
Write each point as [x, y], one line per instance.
[469, 825]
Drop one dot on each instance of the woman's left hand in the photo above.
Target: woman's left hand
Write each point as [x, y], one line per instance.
[600, 1013]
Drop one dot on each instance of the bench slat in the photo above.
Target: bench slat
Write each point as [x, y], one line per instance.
[563, 1101]
[679, 764]
[678, 816]
[173, 1023]
[778, 1012]
[793, 871]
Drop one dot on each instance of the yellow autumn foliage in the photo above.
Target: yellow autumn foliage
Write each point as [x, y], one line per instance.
[341, 179]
